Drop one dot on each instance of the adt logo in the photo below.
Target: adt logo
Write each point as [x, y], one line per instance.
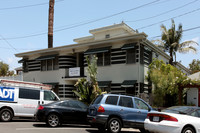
[7, 94]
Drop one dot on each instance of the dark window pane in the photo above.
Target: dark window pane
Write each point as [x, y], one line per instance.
[130, 56]
[126, 102]
[106, 58]
[100, 59]
[29, 94]
[43, 65]
[55, 63]
[48, 95]
[112, 100]
[49, 65]
[98, 99]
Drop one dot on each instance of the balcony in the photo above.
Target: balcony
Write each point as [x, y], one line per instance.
[74, 73]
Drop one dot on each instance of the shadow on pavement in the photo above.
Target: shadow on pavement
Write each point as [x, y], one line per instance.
[63, 126]
[96, 131]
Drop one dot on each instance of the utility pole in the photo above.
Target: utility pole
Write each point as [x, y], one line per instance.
[50, 25]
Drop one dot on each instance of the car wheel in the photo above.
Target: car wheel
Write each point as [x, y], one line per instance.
[6, 115]
[142, 130]
[188, 130]
[53, 120]
[114, 125]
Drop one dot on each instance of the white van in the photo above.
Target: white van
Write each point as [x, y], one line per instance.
[23, 101]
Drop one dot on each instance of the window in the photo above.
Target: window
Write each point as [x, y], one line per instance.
[103, 59]
[130, 56]
[140, 104]
[126, 102]
[50, 64]
[107, 36]
[49, 96]
[74, 104]
[29, 94]
[98, 99]
[100, 59]
[112, 100]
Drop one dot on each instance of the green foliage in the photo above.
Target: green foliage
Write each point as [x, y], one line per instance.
[167, 79]
[88, 90]
[4, 70]
[170, 41]
[194, 66]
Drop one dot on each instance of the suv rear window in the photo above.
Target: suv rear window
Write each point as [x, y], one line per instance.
[98, 99]
[112, 100]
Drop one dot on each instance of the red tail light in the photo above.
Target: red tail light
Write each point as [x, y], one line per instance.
[40, 107]
[162, 117]
[101, 109]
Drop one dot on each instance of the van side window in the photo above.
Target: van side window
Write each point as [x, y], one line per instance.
[112, 100]
[126, 102]
[48, 95]
[29, 94]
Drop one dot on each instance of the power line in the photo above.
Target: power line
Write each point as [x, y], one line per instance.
[169, 18]
[164, 12]
[18, 7]
[8, 43]
[193, 28]
[106, 17]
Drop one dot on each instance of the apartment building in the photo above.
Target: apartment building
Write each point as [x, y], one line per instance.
[123, 59]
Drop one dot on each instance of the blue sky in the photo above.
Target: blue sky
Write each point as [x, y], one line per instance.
[24, 23]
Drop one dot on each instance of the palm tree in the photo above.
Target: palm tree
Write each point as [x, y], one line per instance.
[170, 41]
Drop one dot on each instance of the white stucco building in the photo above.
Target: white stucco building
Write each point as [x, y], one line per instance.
[123, 59]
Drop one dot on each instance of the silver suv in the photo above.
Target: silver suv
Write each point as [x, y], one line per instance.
[112, 112]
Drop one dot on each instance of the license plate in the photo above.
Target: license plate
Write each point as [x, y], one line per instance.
[156, 118]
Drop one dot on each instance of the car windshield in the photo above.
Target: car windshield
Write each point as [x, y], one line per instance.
[179, 110]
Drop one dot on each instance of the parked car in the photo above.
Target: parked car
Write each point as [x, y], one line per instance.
[68, 111]
[112, 112]
[23, 101]
[176, 119]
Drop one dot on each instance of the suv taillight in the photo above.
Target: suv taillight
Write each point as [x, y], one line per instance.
[101, 109]
[40, 107]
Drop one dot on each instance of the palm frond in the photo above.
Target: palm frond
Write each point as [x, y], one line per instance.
[188, 43]
[187, 49]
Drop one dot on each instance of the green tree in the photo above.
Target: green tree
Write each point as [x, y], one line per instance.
[170, 41]
[88, 90]
[4, 70]
[167, 80]
[194, 66]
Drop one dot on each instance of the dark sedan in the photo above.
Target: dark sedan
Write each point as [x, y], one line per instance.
[68, 111]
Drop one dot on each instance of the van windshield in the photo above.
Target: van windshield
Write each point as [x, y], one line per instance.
[49, 96]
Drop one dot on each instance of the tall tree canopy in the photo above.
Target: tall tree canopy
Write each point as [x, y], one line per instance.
[171, 41]
[194, 66]
[4, 70]
[167, 79]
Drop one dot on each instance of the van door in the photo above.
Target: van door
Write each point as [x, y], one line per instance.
[28, 102]
[48, 96]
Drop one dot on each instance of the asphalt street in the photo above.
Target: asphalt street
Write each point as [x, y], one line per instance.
[29, 126]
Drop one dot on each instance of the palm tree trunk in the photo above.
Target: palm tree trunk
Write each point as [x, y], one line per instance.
[171, 58]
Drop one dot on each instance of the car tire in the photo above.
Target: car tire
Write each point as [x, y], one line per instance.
[114, 125]
[188, 130]
[53, 120]
[142, 130]
[101, 128]
[6, 115]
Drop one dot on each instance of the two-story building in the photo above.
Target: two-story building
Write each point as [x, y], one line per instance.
[123, 59]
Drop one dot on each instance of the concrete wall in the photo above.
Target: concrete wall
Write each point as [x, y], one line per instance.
[118, 73]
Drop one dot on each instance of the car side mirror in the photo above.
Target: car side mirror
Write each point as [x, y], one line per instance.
[149, 109]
